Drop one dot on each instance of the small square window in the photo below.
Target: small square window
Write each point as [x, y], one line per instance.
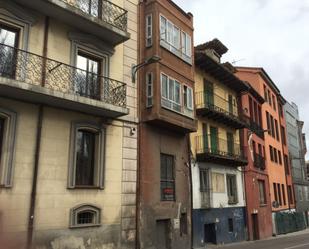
[85, 215]
[231, 225]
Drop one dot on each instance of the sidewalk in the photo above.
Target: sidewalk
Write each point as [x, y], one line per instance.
[211, 246]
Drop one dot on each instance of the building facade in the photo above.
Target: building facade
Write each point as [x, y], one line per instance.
[219, 157]
[258, 203]
[297, 150]
[166, 117]
[68, 120]
[276, 151]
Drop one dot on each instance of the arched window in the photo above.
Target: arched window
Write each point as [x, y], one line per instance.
[86, 167]
[85, 215]
[7, 144]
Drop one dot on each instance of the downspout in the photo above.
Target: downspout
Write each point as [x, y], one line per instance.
[37, 145]
[190, 187]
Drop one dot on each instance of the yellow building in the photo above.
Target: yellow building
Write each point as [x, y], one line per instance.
[68, 119]
[217, 179]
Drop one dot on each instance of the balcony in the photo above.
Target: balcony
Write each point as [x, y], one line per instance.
[218, 109]
[36, 79]
[220, 151]
[256, 128]
[259, 161]
[98, 17]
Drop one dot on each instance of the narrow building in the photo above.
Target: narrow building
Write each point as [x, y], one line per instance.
[296, 141]
[166, 73]
[68, 120]
[258, 202]
[219, 157]
[276, 150]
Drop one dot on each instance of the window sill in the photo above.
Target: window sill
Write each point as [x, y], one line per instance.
[263, 205]
[180, 113]
[87, 187]
[233, 202]
[84, 226]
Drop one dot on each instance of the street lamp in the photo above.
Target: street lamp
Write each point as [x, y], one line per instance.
[135, 68]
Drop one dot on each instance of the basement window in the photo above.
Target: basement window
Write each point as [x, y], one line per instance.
[85, 216]
[231, 225]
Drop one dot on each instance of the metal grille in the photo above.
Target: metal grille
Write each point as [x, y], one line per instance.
[37, 70]
[103, 10]
[86, 217]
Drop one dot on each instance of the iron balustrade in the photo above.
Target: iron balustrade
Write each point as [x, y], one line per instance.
[103, 10]
[216, 103]
[256, 128]
[220, 147]
[259, 161]
[37, 70]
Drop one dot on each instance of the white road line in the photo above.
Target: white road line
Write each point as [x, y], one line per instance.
[292, 247]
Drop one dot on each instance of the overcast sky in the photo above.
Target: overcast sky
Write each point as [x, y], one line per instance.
[273, 34]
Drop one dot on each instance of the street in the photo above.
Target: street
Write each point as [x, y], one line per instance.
[298, 240]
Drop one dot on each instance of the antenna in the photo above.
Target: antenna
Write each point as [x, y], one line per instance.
[235, 61]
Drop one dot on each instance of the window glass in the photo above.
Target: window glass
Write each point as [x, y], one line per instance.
[149, 89]
[176, 35]
[148, 30]
[163, 28]
[164, 81]
[231, 189]
[167, 178]
[177, 92]
[262, 192]
[86, 217]
[85, 158]
[231, 225]
[204, 184]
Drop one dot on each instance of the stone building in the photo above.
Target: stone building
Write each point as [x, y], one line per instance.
[68, 124]
[297, 150]
[166, 73]
[219, 157]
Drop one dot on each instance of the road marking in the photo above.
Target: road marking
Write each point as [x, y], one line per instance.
[292, 247]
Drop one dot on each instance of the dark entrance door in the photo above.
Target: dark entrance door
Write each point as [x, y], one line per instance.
[214, 139]
[162, 232]
[230, 143]
[231, 110]
[255, 227]
[208, 94]
[210, 233]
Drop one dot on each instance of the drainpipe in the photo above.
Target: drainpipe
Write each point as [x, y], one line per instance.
[190, 186]
[37, 146]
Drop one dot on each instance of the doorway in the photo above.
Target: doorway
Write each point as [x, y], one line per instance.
[163, 234]
[210, 235]
[255, 227]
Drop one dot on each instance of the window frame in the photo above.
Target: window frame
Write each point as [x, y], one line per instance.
[167, 98]
[7, 147]
[149, 95]
[172, 180]
[84, 208]
[204, 185]
[186, 90]
[99, 167]
[148, 30]
[235, 198]
[263, 200]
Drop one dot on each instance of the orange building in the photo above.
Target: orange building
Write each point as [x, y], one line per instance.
[276, 151]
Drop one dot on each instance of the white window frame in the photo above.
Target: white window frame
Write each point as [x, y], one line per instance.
[188, 92]
[148, 30]
[8, 148]
[149, 94]
[172, 101]
[99, 158]
[186, 43]
[85, 208]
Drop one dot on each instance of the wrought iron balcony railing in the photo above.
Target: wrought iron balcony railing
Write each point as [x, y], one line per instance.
[256, 128]
[37, 70]
[259, 161]
[103, 10]
[220, 147]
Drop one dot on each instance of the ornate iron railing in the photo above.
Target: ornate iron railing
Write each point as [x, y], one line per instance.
[37, 70]
[103, 10]
[220, 147]
[259, 161]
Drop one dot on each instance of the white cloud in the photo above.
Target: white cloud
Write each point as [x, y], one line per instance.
[273, 34]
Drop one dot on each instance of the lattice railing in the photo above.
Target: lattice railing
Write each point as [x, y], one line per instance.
[37, 70]
[104, 10]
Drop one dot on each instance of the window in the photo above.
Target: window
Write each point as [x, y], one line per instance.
[170, 93]
[277, 130]
[188, 97]
[231, 189]
[272, 126]
[204, 183]
[87, 81]
[283, 194]
[286, 165]
[167, 178]
[279, 194]
[268, 123]
[274, 103]
[275, 192]
[300, 193]
[86, 168]
[149, 90]
[275, 155]
[290, 195]
[7, 144]
[149, 30]
[8, 39]
[183, 224]
[265, 94]
[271, 152]
[230, 225]
[269, 98]
[280, 157]
[262, 192]
[283, 135]
[186, 44]
[85, 216]
[175, 40]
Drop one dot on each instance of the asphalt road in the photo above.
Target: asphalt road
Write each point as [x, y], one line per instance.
[300, 241]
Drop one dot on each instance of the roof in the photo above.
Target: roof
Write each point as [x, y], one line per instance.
[219, 71]
[215, 44]
[188, 15]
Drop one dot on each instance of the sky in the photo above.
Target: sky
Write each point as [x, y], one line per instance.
[273, 34]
